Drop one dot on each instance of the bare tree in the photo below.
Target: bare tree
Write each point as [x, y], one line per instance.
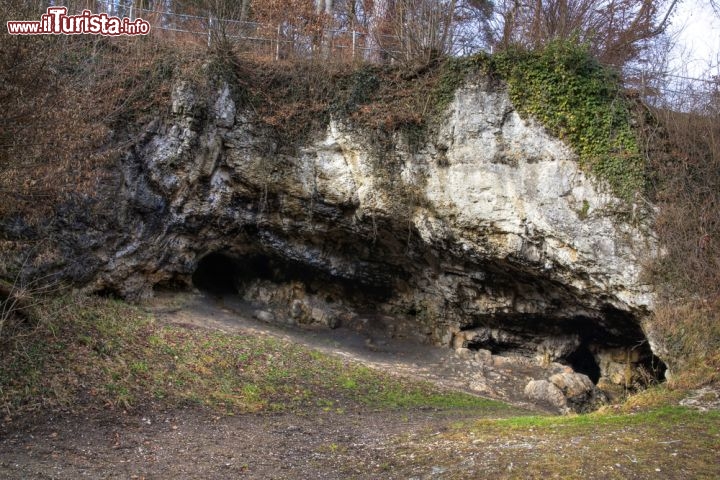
[616, 30]
[715, 4]
[420, 30]
[324, 6]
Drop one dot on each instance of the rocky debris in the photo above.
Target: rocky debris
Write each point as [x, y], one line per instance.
[619, 366]
[563, 390]
[614, 368]
[704, 399]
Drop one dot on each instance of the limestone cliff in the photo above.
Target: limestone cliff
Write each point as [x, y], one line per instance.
[485, 235]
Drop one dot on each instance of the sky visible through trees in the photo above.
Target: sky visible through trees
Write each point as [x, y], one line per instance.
[680, 37]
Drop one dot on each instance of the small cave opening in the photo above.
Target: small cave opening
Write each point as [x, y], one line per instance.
[218, 274]
[109, 293]
[608, 348]
[583, 361]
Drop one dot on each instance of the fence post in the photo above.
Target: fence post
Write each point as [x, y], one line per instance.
[354, 43]
[642, 82]
[277, 44]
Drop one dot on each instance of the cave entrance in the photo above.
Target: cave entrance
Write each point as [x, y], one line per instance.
[217, 273]
[583, 361]
[222, 273]
[601, 348]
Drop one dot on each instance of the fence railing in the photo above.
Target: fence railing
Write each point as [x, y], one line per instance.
[277, 41]
[288, 40]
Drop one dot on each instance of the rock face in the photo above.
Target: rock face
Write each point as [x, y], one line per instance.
[487, 236]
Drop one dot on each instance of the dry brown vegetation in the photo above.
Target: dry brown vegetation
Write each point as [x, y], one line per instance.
[686, 168]
[66, 101]
[297, 98]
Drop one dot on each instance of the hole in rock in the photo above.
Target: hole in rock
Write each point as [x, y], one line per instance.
[217, 273]
[222, 273]
[501, 347]
[607, 347]
[583, 361]
[110, 293]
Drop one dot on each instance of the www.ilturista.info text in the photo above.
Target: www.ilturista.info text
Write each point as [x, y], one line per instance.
[57, 22]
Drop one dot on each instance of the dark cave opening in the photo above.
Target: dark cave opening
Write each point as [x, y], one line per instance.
[580, 360]
[582, 343]
[217, 273]
[497, 347]
[225, 273]
[583, 361]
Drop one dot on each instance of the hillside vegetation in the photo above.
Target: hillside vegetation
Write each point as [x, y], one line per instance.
[73, 105]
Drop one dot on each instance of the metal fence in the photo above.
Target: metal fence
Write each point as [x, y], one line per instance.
[276, 41]
[288, 40]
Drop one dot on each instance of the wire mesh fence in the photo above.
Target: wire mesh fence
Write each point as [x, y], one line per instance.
[287, 40]
[284, 40]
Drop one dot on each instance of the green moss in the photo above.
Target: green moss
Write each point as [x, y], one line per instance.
[581, 102]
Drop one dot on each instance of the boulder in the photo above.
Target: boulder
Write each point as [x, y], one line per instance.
[580, 392]
[567, 392]
[543, 391]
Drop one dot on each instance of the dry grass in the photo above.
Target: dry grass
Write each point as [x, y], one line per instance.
[297, 98]
[67, 104]
[97, 353]
[685, 165]
[689, 332]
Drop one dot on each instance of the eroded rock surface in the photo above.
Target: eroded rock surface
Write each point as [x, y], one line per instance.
[486, 237]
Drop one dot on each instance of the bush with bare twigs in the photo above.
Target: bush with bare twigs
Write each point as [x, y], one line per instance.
[685, 161]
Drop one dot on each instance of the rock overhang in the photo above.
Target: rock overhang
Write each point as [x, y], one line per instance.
[488, 222]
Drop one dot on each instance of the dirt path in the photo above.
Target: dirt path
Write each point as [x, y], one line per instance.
[194, 444]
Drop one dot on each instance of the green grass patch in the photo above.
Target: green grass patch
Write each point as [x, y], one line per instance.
[664, 442]
[663, 416]
[108, 353]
